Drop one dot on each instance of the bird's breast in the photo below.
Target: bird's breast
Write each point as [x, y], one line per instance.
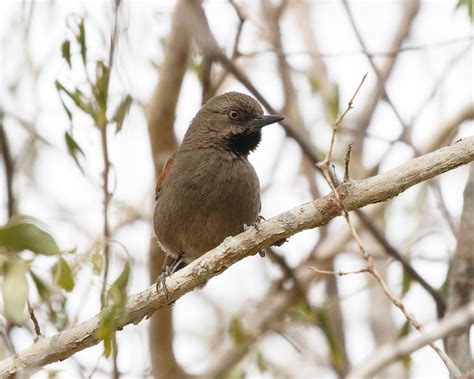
[206, 198]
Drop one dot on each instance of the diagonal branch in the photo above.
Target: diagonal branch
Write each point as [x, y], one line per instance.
[319, 212]
[462, 319]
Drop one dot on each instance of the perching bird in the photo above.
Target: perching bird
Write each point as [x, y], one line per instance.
[208, 190]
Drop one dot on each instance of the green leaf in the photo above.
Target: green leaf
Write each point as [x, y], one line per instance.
[468, 5]
[236, 331]
[44, 291]
[68, 112]
[122, 111]
[15, 291]
[106, 331]
[332, 104]
[117, 295]
[66, 51]
[97, 260]
[78, 98]
[53, 374]
[406, 282]
[118, 290]
[74, 149]
[100, 91]
[261, 363]
[234, 374]
[328, 330]
[404, 330]
[303, 312]
[62, 275]
[27, 236]
[81, 39]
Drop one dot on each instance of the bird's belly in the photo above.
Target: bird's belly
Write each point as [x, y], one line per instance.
[206, 211]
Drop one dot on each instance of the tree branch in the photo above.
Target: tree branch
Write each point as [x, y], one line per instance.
[460, 320]
[319, 212]
[461, 278]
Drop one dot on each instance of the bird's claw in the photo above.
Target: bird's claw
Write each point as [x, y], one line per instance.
[167, 272]
[161, 283]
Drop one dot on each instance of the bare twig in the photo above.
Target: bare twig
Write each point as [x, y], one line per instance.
[337, 124]
[390, 53]
[339, 273]
[347, 161]
[35, 322]
[380, 77]
[393, 252]
[324, 166]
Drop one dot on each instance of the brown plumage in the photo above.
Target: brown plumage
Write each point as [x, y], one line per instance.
[208, 189]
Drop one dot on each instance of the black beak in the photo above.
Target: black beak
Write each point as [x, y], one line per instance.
[266, 120]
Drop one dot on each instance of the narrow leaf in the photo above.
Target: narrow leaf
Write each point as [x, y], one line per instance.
[406, 282]
[121, 112]
[118, 290]
[77, 97]
[66, 51]
[15, 292]
[62, 275]
[81, 39]
[404, 330]
[106, 331]
[27, 236]
[236, 332]
[261, 363]
[43, 290]
[74, 149]
[327, 328]
[97, 260]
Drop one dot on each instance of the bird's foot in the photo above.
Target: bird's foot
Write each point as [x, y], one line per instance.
[161, 283]
[168, 270]
[260, 218]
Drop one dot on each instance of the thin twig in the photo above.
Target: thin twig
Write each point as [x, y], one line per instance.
[35, 322]
[235, 50]
[343, 54]
[338, 273]
[347, 161]
[393, 252]
[106, 161]
[337, 124]
[381, 80]
[324, 166]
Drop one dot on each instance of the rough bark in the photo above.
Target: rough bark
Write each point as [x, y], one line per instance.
[461, 278]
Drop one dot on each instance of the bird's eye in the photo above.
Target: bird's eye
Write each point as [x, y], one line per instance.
[234, 115]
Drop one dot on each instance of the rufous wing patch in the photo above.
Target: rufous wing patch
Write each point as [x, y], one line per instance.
[166, 170]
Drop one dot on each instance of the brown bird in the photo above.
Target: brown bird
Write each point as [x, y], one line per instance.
[208, 189]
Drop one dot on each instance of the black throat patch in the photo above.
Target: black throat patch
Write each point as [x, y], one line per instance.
[244, 143]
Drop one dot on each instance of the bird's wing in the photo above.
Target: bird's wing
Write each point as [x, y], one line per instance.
[166, 170]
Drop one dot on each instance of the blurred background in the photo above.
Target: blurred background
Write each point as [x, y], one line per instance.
[95, 95]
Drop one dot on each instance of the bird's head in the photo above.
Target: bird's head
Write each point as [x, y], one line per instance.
[232, 121]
